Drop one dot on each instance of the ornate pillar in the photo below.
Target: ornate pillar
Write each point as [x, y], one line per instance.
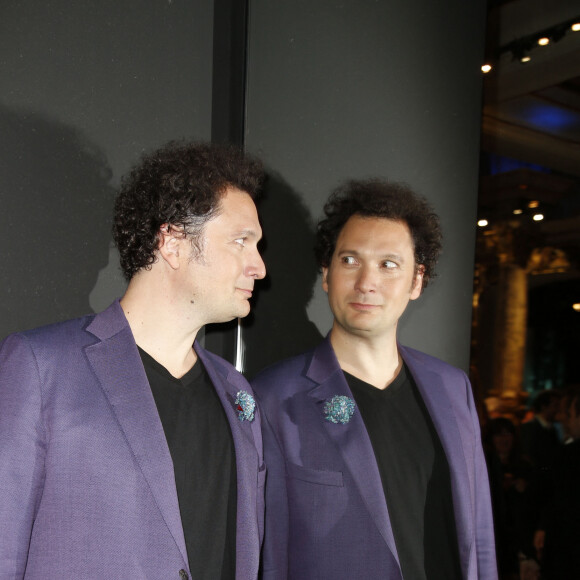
[510, 331]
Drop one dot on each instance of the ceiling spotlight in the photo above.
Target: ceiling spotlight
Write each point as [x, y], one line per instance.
[526, 58]
[538, 217]
[518, 211]
[486, 68]
[575, 27]
[482, 223]
[543, 41]
[576, 306]
[534, 203]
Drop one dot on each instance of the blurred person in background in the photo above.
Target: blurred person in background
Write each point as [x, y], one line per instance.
[512, 493]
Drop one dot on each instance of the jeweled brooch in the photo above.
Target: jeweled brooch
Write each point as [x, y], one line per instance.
[245, 406]
[339, 409]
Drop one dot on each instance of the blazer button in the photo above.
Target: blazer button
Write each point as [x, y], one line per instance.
[183, 575]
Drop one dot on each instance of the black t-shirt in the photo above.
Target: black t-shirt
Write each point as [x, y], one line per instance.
[200, 441]
[415, 476]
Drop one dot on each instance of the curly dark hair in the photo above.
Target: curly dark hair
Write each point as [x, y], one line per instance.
[180, 184]
[383, 199]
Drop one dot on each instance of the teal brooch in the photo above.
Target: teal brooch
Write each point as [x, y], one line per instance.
[339, 409]
[245, 406]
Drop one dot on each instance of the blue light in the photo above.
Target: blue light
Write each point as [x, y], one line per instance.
[548, 117]
[499, 164]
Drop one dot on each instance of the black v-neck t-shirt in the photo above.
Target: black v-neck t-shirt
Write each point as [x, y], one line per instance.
[415, 476]
[200, 442]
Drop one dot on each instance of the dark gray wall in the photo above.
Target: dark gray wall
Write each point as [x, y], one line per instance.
[358, 88]
[85, 88]
[335, 89]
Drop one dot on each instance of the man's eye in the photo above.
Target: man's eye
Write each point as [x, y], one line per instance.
[241, 241]
[389, 264]
[348, 260]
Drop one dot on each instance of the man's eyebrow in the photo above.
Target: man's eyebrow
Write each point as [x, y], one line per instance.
[387, 256]
[393, 256]
[248, 233]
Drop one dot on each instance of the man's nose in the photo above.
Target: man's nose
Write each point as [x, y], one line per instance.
[256, 268]
[366, 280]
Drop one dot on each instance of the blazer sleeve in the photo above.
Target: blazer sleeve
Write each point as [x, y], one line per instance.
[22, 452]
[484, 529]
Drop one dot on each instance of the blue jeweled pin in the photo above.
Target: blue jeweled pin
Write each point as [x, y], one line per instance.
[339, 409]
[245, 406]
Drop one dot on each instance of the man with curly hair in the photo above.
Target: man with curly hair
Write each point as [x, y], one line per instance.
[375, 465]
[126, 449]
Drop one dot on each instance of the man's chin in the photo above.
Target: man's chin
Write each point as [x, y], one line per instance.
[245, 313]
[242, 313]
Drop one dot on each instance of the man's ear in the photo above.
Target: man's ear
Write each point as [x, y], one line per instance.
[325, 279]
[169, 245]
[417, 286]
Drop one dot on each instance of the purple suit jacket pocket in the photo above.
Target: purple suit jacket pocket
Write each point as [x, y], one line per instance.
[316, 476]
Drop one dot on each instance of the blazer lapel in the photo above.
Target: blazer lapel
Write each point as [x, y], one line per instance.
[250, 467]
[430, 385]
[351, 439]
[118, 367]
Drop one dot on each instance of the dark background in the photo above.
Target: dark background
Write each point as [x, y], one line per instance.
[322, 91]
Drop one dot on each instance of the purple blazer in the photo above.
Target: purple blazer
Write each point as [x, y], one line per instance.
[326, 515]
[87, 488]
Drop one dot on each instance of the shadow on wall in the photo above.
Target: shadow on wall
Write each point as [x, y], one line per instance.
[55, 220]
[279, 326]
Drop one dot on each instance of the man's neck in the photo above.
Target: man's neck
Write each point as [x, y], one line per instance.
[159, 330]
[373, 360]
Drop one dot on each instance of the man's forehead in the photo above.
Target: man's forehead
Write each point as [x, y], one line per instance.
[234, 199]
[365, 229]
[237, 213]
